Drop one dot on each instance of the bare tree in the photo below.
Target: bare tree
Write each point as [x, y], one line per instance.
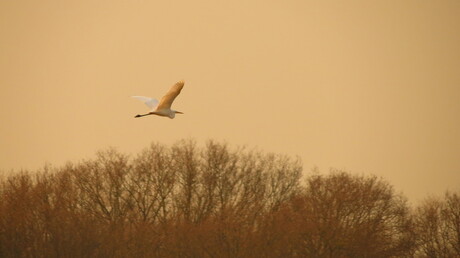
[342, 215]
[151, 184]
[438, 226]
[188, 200]
[222, 194]
[102, 185]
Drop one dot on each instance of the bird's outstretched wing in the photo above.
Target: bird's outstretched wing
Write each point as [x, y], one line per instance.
[151, 103]
[168, 99]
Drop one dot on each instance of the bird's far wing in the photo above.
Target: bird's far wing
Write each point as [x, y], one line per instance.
[168, 99]
[151, 103]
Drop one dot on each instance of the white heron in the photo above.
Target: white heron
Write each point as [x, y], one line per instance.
[163, 108]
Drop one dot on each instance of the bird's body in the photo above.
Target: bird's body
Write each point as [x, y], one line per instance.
[163, 108]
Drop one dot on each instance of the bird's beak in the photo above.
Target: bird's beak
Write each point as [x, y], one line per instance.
[178, 112]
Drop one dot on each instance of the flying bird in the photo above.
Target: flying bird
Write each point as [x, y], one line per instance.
[162, 108]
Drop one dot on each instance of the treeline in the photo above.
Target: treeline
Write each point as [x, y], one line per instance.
[214, 201]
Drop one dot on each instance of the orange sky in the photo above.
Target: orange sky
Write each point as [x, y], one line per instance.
[368, 86]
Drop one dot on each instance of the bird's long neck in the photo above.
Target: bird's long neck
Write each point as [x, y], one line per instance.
[143, 115]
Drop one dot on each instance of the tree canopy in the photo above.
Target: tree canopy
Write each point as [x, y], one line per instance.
[215, 201]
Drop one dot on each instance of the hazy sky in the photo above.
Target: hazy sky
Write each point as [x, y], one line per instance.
[372, 87]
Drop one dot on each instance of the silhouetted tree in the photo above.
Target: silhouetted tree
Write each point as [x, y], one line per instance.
[438, 226]
[343, 215]
[174, 201]
[187, 200]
